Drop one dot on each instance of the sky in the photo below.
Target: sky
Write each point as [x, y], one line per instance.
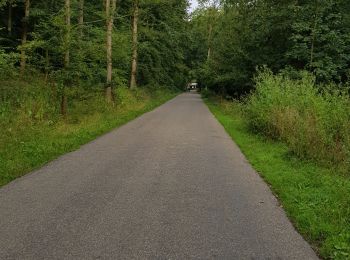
[194, 4]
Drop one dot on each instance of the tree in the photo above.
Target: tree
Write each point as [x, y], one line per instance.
[162, 42]
[67, 34]
[74, 54]
[24, 35]
[110, 10]
[212, 8]
[64, 100]
[9, 19]
[320, 39]
[81, 18]
[133, 81]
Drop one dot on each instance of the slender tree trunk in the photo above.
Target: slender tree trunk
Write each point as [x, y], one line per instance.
[81, 18]
[312, 49]
[110, 9]
[109, 51]
[9, 20]
[64, 104]
[67, 36]
[24, 35]
[133, 80]
[210, 31]
[47, 64]
[64, 100]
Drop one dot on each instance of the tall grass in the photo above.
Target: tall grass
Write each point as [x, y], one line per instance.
[315, 198]
[32, 132]
[314, 122]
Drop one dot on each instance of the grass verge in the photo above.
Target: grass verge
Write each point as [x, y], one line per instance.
[27, 142]
[315, 198]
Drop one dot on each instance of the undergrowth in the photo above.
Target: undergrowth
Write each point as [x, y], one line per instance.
[316, 198]
[313, 121]
[32, 132]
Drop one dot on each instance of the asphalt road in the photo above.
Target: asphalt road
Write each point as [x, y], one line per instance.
[168, 185]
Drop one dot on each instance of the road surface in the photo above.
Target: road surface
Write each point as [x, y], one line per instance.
[169, 185]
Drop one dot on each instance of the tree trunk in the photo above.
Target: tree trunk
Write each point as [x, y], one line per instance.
[24, 36]
[9, 20]
[47, 64]
[133, 80]
[64, 99]
[110, 9]
[67, 36]
[64, 104]
[313, 39]
[81, 18]
[210, 31]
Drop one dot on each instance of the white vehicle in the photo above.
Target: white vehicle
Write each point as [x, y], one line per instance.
[192, 86]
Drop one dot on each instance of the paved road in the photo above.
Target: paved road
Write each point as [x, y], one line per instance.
[168, 185]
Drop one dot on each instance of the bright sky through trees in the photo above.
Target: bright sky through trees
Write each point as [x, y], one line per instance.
[194, 5]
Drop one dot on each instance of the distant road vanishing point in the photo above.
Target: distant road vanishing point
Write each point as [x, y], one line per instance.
[169, 185]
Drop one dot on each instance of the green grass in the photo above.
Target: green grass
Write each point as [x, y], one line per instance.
[30, 138]
[315, 198]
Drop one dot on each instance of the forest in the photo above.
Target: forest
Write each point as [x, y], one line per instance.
[71, 70]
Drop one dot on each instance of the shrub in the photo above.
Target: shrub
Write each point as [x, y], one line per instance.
[7, 61]
[314, 122]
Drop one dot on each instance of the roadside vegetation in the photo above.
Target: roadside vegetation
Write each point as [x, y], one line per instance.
[32, 131]
[71, 70]
[314, 121]
[277, 77]
[316, 198]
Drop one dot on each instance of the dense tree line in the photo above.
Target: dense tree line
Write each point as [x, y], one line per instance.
[155, 42]
[237, 36]
[84, 43]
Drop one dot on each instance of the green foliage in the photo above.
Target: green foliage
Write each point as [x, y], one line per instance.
[161, 51]
[246, 35]
[7, 64]
[313, 123]
[3, 3]
[32, 132]
[316, 198]
[162, 43]
[320, 39]
[305, 35]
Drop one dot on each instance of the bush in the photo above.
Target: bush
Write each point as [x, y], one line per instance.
[7, 61]
[313, 122]
[206, 93]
